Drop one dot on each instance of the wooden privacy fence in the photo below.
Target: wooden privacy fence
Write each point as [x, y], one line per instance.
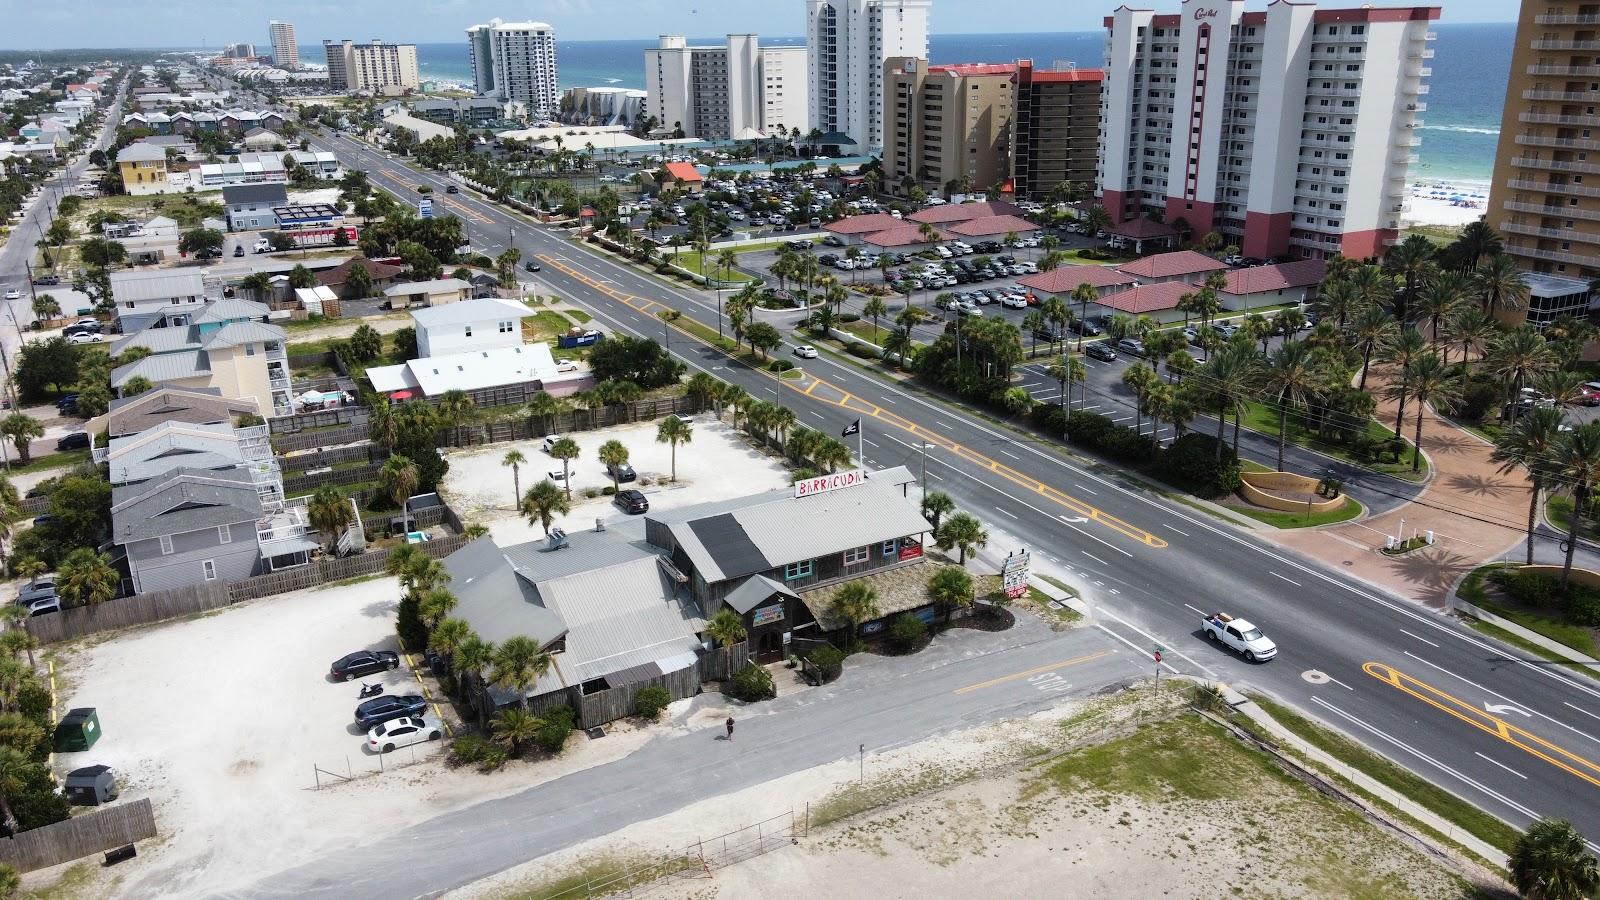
[307, 360]
[326, 571]
[721, 663]
[92, 832]
[332, 456]
[425, 518]
[300, 484]
[312, 440]
[615, 703]
[34, 505]
[325, 418]
[141, 609]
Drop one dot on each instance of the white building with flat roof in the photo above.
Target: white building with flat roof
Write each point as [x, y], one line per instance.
[285, 52]
[734, 90]
[847, 42]
[1288, 130]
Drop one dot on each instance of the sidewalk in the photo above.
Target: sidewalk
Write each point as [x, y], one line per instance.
[1475, 513]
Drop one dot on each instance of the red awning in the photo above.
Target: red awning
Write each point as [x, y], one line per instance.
[401, 395]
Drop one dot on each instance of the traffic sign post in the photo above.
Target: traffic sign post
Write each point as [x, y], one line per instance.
[1157, 653]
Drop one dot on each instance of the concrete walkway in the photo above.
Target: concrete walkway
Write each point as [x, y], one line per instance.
[1475, 512]
[1331, 764]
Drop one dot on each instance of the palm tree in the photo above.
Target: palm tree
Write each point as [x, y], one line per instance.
[1405, 348]
[963, 532]
[875, 309]
[15, 769]
[1471, 327]
[613, 455]
[935, 506]
[950, 587]
[1291, 375]
[1577, 460]
[515, 727]
[257, 283]
[1227, 377]
[1441, 298]
[329, 511]
[855, 603]
[514, 459]
[543, 502]
[1068, 371]
[448, 636]
[1500, 284]
[518, 664]
[435, 605]
[21, 428]
[674, 430]
[725, 628]
[544, 408]
[1475, 242]
[1412, 262]
[1084, 294]
[455, 407]
[399, 478]
[1528, 444]
[86, 578]
[565, 449]
[1431, 383]
[1516, 357]
[1138, 378]
[1159, 400]
[1552, 862]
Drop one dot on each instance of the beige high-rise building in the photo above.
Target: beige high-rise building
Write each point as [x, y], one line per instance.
[946, 128]
[1545, 200]
[375, 66]
[1055, 129]
[285, 52]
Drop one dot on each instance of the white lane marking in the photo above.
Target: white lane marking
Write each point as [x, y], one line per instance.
[868, 443]
[1290, 580]
[1184, 533]
[1005, 513]
[888, 399]
[1422, 639]
[1012, 455]
[816, 414]
[1137, 649]
[1093, 557]
[1425, 757]
[935, 477]
[1092, 537]
[1519, 705]
[1085, 490]
[1581, 709]
[1123, 419]
[1196, 609]
[1500, 764]
[1166, 644]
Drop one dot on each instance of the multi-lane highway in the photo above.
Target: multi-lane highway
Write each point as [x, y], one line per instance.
[1515, 735]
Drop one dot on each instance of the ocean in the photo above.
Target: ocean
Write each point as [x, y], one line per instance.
[1459, 131]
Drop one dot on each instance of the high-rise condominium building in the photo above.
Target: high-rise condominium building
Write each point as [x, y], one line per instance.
[949, 127]
[239, 51]
[1055, 129]
[285, 52]
[375, 67]
[1545, 201]
[848, 42]
[1289, 130]
[516, 61]
[736, 90]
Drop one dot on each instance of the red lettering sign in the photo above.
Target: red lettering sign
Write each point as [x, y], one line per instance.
[824, 483]
[911, 551]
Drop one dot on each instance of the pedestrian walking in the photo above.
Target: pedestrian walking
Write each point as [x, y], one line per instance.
[730, 728]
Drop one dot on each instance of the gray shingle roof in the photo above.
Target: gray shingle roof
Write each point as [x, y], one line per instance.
[187, 500]
[194, 406]
[169, 446]
[230, 309]
[254, 193]
[494, 600]
[156, 284]
[437, 286]
[139, 152]
[159, 340]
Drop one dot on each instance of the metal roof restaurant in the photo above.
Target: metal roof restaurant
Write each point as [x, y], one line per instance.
[619, 609]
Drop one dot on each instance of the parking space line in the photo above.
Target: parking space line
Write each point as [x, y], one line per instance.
[428, 695]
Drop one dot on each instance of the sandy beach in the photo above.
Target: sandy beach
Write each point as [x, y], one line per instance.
[1445, 203]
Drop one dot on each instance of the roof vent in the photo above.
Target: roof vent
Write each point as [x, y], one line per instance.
[557, 539]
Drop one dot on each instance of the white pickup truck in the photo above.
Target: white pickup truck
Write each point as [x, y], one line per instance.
[1239, 636]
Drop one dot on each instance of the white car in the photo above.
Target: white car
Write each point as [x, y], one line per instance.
[83, 337]
[549, 442]
[806, 351]
[13, 295]
[566, 365]
[1015, 301]
[403, 732]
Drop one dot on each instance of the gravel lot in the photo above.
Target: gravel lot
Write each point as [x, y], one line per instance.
[718, 463]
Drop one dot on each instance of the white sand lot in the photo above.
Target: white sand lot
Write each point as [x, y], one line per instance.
[718, 463]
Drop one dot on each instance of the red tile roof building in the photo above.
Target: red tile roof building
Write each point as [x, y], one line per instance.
[1065, 280]
[1168, 266]
[1261, 279]
[684, 172]
[961, 212]
[899, 236]
[863, 224]
[1147, 298]
[992, 227]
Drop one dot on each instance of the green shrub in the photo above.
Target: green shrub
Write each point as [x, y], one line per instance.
[849, 317]
[650, 701]
[780, 365]
[861, 351]
[752, 683]
[409, 625]
[1583, 607]
[608, 490]
[1527, 588]
[829, 661]
[1477, 399]
[468, 749]
[906, 631]
[557, 727]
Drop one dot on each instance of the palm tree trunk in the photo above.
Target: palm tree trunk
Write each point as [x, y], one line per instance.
[1579, 498]
[1416, 448]
[1533, 517]
[1222, 420]
[1400, 417]
[1366, 362]
[1238, 413]
[1283, 432]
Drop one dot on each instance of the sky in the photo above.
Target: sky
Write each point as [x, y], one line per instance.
[57, 24]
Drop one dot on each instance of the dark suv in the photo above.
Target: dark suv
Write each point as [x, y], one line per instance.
[631, 501]
[623, 472]
[363, 662]
[378, 710]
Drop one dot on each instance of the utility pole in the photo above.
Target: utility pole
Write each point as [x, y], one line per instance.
[924, 478]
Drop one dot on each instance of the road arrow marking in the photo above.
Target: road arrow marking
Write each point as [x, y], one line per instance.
[1073, 521]
[1501, 709]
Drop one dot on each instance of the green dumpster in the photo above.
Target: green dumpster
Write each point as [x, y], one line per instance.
[77, 730]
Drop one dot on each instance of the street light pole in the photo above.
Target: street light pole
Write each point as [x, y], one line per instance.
[924, 479]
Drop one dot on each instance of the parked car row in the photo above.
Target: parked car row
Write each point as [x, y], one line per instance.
[390, 721]
[39, 596]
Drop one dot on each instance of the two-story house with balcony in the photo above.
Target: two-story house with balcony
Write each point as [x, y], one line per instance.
[143, 169]
[141, 297]
[191, 527]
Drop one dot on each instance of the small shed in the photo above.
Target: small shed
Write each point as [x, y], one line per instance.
[90, 785]
[77, 730]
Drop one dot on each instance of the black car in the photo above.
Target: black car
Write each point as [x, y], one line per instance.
[68, 403]
[363, 662]
[532, 266]
[631, 501]
[452, 189]
[86, 328]
[1087, 329]
[828, 259]
[378, 710]
[1101, 351]
[78, 440]
[238, 250]
[623, 472]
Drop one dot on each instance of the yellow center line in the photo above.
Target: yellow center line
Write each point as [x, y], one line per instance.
[1480, 719]
[1030, 672]
[846, 399]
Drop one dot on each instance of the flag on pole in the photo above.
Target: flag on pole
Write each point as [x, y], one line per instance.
[852, 428]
